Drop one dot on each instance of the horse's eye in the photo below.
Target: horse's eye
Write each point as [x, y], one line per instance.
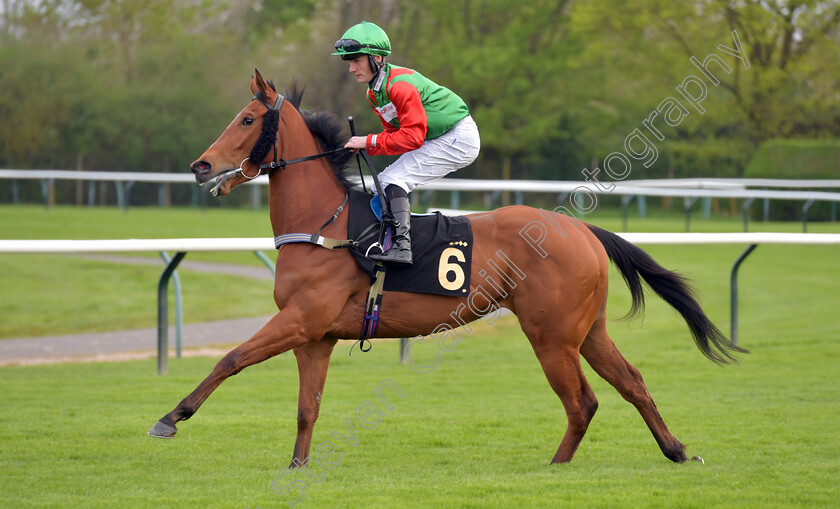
[247, 120]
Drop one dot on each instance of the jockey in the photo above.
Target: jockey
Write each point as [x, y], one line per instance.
[427, 123]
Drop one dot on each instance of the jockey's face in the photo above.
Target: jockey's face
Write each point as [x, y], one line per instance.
[360, 67]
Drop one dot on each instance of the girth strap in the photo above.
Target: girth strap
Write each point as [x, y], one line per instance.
[370, 322]
[291, 238]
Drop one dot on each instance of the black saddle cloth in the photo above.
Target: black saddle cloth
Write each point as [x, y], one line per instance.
[441, 247]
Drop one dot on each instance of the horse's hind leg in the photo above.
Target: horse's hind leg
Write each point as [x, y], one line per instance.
[601, 353]
[560, 360]
[313, 360]
[564, 373]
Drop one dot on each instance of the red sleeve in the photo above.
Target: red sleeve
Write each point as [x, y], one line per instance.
[413, 123]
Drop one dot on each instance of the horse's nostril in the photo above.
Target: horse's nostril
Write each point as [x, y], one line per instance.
[200, 167]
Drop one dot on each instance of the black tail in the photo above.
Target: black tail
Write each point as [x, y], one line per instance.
[675, 289]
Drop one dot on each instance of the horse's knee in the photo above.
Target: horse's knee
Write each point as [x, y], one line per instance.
[306, 418]
[228, 365]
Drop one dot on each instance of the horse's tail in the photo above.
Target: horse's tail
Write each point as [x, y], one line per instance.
[674, 288]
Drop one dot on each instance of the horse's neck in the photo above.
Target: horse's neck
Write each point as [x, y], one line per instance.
[303, 196]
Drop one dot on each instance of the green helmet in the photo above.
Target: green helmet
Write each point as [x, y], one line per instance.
[364, 38]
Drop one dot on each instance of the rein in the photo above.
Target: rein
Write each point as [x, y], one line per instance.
[282, 163]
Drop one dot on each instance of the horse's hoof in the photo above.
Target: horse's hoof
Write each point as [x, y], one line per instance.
[162, 430]
[698, 459]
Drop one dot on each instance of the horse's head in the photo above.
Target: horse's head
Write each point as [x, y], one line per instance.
[245, 143]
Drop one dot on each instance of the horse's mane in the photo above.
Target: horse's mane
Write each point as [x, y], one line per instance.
[329, 131]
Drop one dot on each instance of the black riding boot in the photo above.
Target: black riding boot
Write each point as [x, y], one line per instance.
[400, 251]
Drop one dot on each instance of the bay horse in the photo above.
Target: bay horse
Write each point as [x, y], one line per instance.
[320, 293]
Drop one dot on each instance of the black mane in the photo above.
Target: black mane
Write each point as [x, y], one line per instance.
[330, 132]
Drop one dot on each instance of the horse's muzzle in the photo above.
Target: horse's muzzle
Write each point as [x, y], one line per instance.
[202, 170]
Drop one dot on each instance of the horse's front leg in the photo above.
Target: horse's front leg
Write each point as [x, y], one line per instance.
[280, 334]
[313, 360]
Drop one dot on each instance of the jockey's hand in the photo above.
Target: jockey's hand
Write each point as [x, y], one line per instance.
[356, 143]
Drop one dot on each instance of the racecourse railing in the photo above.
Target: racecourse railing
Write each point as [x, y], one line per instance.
[182, 246]
[690, 189]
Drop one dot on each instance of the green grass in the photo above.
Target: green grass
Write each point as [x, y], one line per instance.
[478, 431]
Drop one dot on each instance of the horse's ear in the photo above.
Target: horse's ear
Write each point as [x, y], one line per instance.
[254, 85]
[258, 84]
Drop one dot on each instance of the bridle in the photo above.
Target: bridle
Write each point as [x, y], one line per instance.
[270, 131]
[269, 134]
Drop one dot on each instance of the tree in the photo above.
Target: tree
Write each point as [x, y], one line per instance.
[784, 87]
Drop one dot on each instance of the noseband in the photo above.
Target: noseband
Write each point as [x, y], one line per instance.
[268, 139]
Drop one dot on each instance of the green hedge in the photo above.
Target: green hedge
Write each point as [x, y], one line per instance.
[796, 159]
